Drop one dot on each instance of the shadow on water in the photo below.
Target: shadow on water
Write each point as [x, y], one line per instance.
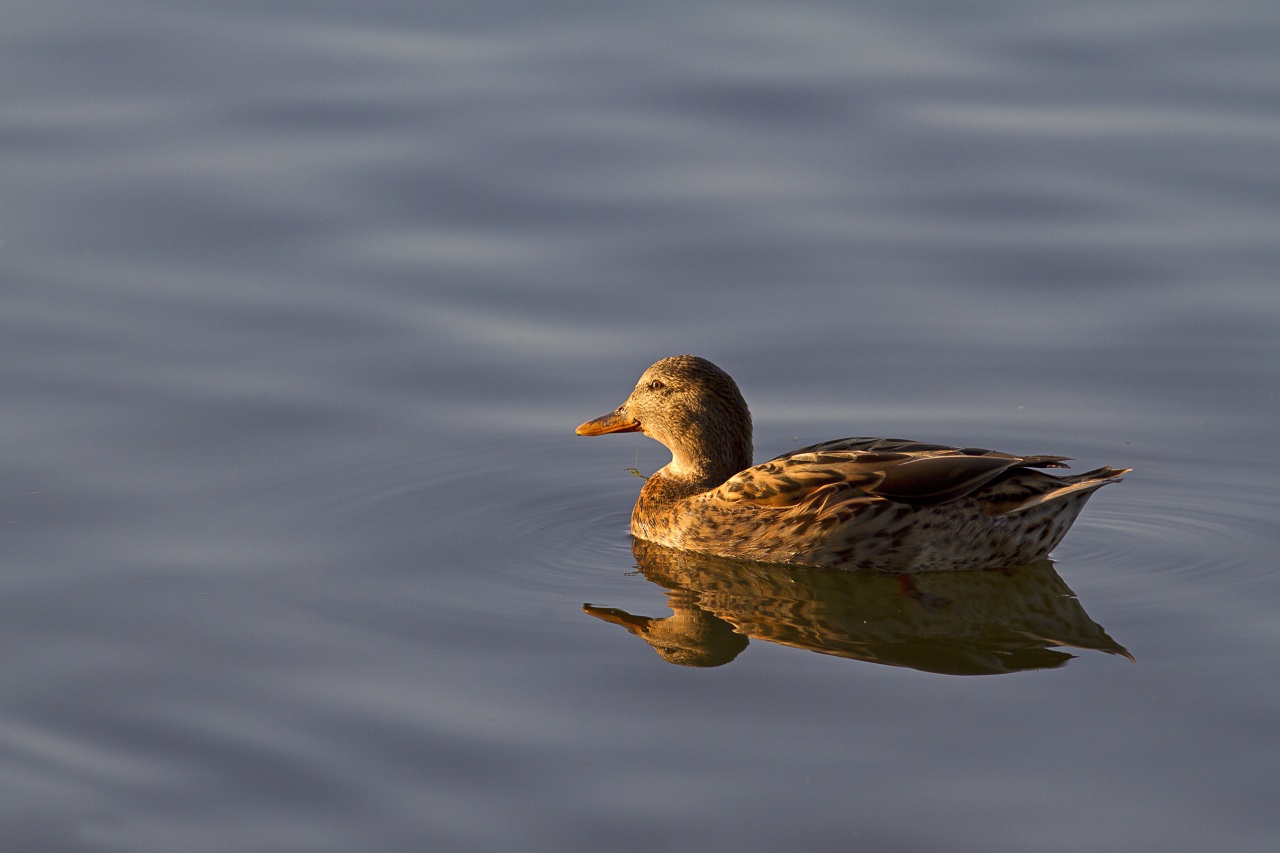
[954, 623]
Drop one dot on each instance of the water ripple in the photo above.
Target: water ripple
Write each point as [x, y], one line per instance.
[544, 533]
[1171, 536]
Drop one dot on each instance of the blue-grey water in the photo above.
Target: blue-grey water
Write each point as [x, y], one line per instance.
[299, 306]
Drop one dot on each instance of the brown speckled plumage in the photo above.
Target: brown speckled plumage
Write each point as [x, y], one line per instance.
[871, 502]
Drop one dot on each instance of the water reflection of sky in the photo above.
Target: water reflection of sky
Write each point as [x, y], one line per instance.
[300, 306]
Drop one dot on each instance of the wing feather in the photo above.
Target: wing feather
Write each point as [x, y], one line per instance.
[824, 476]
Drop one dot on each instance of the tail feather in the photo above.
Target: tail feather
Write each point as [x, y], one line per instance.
[1077, 484]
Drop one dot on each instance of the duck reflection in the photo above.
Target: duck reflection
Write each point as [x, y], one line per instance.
[955, 623]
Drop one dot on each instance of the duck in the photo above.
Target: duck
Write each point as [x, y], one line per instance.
[876, 503]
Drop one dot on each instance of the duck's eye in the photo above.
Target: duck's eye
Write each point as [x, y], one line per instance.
[656, 385]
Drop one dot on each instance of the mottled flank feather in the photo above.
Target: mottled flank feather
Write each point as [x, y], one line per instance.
[872, 502]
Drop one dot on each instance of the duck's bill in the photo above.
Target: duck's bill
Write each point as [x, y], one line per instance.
[612, 422]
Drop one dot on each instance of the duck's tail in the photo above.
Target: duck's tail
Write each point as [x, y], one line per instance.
[1082, 485]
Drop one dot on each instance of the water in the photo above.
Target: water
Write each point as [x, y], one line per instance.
[301, 303]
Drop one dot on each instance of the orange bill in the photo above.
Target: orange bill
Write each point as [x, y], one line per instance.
[612, 422]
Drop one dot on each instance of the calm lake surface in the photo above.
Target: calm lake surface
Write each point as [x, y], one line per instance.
[301, 302]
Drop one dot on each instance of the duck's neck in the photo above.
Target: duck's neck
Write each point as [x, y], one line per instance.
[659, 508]
[702, 458]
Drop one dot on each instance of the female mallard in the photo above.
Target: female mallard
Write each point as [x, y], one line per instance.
[868, 502]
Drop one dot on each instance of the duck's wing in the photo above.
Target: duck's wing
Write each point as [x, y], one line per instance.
[890, 469]
[904, 445]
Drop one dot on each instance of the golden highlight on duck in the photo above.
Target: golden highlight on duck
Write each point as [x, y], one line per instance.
[883, 503]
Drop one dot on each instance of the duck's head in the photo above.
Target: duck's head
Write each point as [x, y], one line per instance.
[692, 407]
